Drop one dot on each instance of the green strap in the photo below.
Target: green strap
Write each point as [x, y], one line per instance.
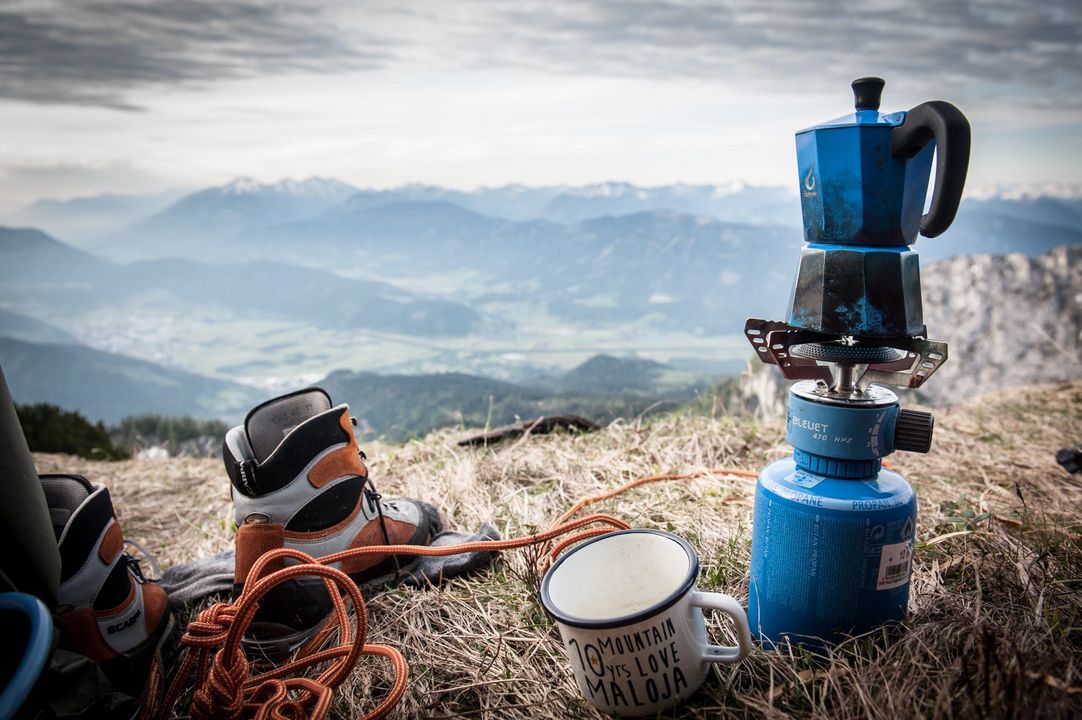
[30, 559]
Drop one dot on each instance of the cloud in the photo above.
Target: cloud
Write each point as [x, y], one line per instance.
[99, 52]
[1029, 50]
[106, 52]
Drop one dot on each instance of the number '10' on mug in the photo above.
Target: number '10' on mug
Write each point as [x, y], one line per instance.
[632, 621]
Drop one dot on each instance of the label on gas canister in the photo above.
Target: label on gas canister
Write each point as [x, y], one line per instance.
[894, 562]
[804, 480]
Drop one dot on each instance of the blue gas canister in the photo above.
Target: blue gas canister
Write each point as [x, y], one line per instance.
[833, 531]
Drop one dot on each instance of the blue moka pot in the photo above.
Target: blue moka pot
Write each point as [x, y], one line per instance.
[832, 541]
[863, 183]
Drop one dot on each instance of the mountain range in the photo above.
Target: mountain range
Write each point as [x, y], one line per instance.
[85, 219]
[447, 306]
[401, 406]
[27, 329]
[151, 226]
[108, 386]
[697, 258]
[38, 270]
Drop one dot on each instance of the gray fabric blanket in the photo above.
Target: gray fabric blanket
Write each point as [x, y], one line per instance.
[188, 583]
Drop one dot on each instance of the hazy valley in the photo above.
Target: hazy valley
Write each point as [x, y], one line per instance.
[425, 307]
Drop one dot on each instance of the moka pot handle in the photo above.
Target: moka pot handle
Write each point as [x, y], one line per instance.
[947, 126]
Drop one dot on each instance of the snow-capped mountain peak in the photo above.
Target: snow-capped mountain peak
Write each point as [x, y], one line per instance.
[313, 188]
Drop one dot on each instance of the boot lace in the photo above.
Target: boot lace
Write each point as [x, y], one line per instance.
[375, 504]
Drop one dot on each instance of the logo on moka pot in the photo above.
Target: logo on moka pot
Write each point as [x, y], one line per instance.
[809, 183]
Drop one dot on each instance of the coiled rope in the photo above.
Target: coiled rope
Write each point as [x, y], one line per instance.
[215, 667]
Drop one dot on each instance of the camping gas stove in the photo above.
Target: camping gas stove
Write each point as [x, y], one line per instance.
[833, 532]
[832, 543]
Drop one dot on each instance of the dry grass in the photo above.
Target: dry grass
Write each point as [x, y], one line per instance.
[995, 627]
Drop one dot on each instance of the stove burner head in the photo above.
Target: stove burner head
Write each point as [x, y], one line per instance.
[839, 352]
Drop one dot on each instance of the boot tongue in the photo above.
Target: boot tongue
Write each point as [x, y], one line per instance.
[269, 423]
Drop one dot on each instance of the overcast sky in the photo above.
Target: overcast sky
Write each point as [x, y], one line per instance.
[130, 96]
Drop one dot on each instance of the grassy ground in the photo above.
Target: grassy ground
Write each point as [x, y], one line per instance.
[995, 625]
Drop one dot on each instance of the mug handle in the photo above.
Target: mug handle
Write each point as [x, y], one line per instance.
[729, 606]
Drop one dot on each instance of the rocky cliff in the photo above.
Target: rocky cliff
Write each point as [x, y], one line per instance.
[1009, 320]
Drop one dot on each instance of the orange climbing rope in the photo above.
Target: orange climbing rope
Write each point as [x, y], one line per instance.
[214, 665]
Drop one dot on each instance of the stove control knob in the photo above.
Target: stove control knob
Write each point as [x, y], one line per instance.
[913, 431]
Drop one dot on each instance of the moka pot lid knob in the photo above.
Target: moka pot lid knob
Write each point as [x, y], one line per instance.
[867, 92]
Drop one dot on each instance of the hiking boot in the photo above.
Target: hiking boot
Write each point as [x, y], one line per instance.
[107, 610]
[299, 481]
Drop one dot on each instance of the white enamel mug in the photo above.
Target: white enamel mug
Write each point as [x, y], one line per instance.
[632, 621]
